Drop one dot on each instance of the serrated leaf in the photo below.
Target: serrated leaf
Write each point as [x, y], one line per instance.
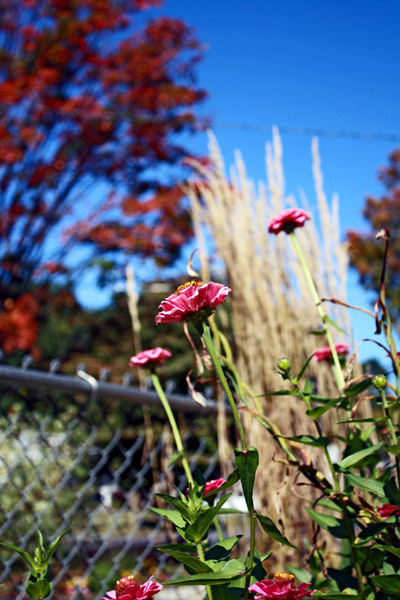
[272, 531]
[357, 457]
[198, 529]
[192, 564]
[172, 515]
[233, 569]
[387, 583]
[369, 485]
[246, 464]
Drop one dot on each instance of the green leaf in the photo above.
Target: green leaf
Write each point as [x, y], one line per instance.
[198, 529]
[272, 531]
[327, 319]
[22, 553]
[172, 515]
[233, 569]
[179, 505]
[192, 564]
[395, 551]
[395, 449]
[53, 546]
[38, 589]
[279, 393]
[174, 458]
[308, 388]
[371, 420]
[232, 511]
[247, 463]
[370, 485]
[317, 332]
[221, 550]
[387, 583]
[232, 479]
[357, 388]
[308, 440]
[316, 412]
[305, 365]
[324, 521]
[357, 457]
[178, 547]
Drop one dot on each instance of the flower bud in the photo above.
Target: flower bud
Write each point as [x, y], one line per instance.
[284, 365]
[379, 381]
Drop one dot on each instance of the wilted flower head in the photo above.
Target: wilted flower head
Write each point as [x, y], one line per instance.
[281, 587]
[325, 353]
[128, 588]
[288, 220]
[387, 510]
[155, 356]
[192, 301]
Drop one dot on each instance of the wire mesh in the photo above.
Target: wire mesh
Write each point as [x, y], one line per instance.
[92, 465]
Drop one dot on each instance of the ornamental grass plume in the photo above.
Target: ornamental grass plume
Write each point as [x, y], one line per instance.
[281, 587]
[272, 305]
[192, 301]
[128, 588]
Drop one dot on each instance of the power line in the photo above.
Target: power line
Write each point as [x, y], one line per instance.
[317, 131]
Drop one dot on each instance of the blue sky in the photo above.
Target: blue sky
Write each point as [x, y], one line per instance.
[329, 65]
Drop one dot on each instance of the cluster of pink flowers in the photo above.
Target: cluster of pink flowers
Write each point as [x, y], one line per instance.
[387, 510]
[281, 587]
[192, 301]
[156, 356]
[325, 353]
[128, 588]
[288, 220]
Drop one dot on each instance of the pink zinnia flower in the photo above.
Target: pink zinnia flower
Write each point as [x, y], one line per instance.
[288, 220]
[128, 588]
[281, 587]
[325, 353]
[192, 301]
[387, 510]
[214, 484]
[149, 357]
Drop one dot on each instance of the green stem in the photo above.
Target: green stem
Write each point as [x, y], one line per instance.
[251, 553]
[217, 365]
[218, 528]
[338, 373]
[346, 518]
[174, 426]
[392, 431]
[201, 557]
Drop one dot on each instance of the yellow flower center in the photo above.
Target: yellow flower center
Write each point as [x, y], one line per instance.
[278, 576]
[123, 584]
[186, 285]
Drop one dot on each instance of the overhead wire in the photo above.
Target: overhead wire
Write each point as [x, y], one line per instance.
[313, 131]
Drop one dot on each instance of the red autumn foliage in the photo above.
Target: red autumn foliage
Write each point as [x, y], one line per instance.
[91, 105]
[366, 252]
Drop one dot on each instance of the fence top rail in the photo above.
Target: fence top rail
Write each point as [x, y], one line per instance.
[31, 378]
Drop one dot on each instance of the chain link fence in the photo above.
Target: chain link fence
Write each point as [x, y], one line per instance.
[89, 456]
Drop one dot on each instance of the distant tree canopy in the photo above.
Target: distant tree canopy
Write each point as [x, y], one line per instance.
[366, 252]
[90, 112]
